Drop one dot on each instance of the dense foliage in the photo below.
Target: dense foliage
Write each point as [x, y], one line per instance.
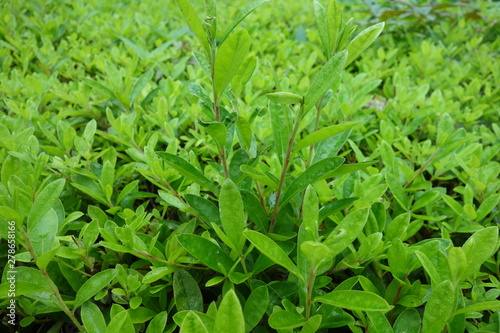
[249, 167]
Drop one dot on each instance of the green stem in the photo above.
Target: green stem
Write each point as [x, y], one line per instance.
[310, 285]
[222, 151]
[286, 163]
[53, 287]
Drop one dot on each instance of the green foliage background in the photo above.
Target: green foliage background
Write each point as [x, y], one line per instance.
[112, 174]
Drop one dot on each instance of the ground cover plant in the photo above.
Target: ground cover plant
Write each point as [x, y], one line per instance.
[248, 167]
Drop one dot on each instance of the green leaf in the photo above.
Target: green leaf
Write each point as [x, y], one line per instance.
[229, 318]
[316, 253]
[312, 325]
[333, 207]
[92, 318]
[355, 300]
[334, 19]
[241, 16]
[363, 40]
[314, 173]
[188, 171]
[458, 264]
[347, 168]
[408, 322]
[310, 214]
[211, 20]
[479, 248]
[229, 57]
[187, 293]
[478, 307]
[207, 252]
[427, 198]
[140, 85]
[379, 322]
[439, 307]
[322, 26]
[158, 323]
[232, 215]
[324, 80]
[217, 131]
[397, 227]
[192, 324]
[205, 209]
[283, 319]
[157, 273]
[244, 132]
[255, 307]
[322, 134]
[194, 24]
[271, 250]
[282, 127]
[43, 232]
[487, 206]
[93, 285]
[284, 97]
[347, 231]
[396, 188]
[256, 212]
[44, 201]
[120, 323]
[429, 268]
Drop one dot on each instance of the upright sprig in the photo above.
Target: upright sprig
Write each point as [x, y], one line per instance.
[221, 58]
[339, 52]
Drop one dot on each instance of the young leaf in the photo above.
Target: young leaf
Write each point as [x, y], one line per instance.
[347, 231]
[241, 16]
[379, 322]
[217, 131]
[334, 19]
[322, 134]
[187, 170]
[310, 214]
[194, 24]
[229, 318]
[478, 248]
[281, 125]
[207, 252]
[322, 26]
[271, 250]
[429, 268]
[255, 307]
[43, 232]
[93, 285]
[256, 212]
[211, 20]
[316, 253]
[408, 322]
[311, 175]
[312, 324]
[284, 319]
[92, 318]
[439, 307]
[229, 57]
[232, 216]
[192, 324]
[284, 97]
[44, 201]
[363, 40]
[205, 209]
[355, 300]
[187, 293]
[324, 80]
[480, 306]
[458, 264]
